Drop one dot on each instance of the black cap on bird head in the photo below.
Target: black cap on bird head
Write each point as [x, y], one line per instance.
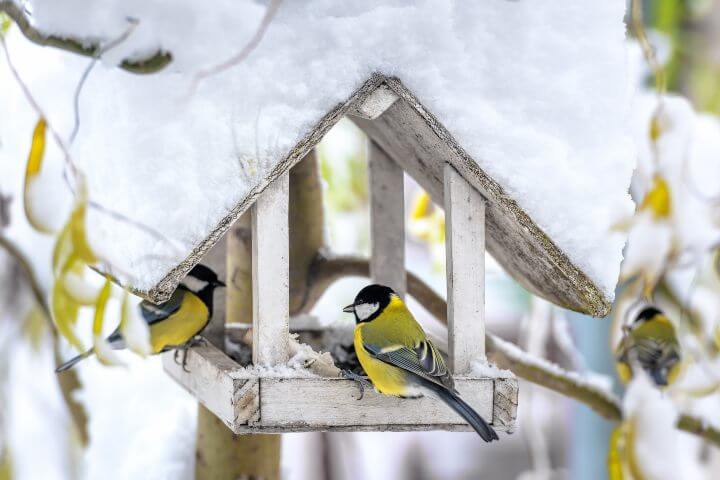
[370, 302]
[205, 274]
[647, 313]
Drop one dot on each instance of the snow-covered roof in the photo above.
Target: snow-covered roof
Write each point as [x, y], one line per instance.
[528, 98]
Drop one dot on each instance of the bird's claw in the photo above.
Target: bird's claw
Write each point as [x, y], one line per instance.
[193, 342]
[361, 381]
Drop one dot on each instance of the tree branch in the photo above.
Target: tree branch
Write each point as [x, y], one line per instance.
[328, 268]
[69, 381]
[150, 64]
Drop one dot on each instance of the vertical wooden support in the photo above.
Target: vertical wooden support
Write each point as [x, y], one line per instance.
[387, 220]
[270, 274]
[220, 454]
[465, 265]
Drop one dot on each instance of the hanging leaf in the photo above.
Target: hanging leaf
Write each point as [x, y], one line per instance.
[65, 313]
[78, 287]
[5, 23]
[657, 200]
[34, 327]
[134, 329]
[104, 352]
[616, 459]
[34, 164]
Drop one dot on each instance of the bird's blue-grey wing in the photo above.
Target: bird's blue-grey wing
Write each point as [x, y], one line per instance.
[154, 313]
[424, 360]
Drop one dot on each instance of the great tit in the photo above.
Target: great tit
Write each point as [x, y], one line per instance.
[650, 342]
[174, 323]
[399, 359]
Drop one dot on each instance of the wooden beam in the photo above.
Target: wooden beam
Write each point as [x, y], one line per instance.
[270, 274]
[465, 266]
[387, 220]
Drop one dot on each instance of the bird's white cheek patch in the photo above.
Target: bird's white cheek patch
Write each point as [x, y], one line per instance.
[365, 310]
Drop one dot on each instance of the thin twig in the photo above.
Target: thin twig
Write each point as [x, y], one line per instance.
[247, 49]
[76, 98]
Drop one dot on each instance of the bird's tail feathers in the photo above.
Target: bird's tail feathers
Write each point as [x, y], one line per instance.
[71, 363]
[454, 401]
[659, 376]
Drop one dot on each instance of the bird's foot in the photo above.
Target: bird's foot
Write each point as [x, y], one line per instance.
[361, 381]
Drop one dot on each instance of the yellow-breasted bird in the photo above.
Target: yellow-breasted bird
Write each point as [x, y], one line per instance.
[399, 359]
[651, 343]
[174, 323]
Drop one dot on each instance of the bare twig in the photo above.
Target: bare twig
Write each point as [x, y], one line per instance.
[150, 64]
[247, 49]
[69, 382]
[101, 51]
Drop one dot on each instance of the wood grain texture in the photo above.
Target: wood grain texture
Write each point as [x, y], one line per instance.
[210, 379]
[252, 404]
[414, 138]
[387, 220]
[271, 275]
[465, 270]
[375, 104]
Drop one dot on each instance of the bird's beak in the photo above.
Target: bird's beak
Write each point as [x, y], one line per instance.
[220, 284]
[349, 309]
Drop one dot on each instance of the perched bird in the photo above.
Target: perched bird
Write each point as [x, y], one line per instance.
[174, 323]
[399, 359]
[650, 342]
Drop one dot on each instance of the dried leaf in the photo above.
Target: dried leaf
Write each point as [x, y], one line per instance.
[658, 199]
[34, 327]
[616, 455]
[34, 164]
[134, 329]
[104, 352]
[65, 312]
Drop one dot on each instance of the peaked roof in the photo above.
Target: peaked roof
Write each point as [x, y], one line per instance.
[414, 138]
[527, 99]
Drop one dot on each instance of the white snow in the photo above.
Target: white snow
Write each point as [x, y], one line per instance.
[653, 415]
[534, 91]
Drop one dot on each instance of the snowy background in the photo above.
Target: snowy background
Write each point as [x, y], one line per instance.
[556, 93]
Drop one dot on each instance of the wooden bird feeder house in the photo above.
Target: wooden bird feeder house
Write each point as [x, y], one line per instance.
[404, 137]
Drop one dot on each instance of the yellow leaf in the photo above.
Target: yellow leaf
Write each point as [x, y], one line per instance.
[34, 327]
[78, 233]
[420, 206]
[6, 470]
[5, 23]
[32, 169]
[102, 349]
[655, 128]
[615, 455]
[65, 312]
[658, 199]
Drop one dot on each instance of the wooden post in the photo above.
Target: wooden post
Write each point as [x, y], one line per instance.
[220, 454]
[387, 220]
[270, 268]
[465, 265]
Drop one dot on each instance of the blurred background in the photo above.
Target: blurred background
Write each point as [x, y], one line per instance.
[142, 425]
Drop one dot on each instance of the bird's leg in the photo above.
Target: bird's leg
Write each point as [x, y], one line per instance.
[361, 381]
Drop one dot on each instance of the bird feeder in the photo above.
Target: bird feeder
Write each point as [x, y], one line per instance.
[404, 137]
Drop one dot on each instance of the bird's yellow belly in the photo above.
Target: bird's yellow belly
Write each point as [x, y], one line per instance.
[180, 327]
[387, 379]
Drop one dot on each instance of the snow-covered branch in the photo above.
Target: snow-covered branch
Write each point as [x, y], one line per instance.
[328, 268]
[149, 64]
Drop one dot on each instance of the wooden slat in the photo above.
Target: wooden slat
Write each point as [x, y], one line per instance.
[328, 403]
[465, 266]
[270, 270]
[387, 220]
[248, 403]
[210, 379]
[375, 104]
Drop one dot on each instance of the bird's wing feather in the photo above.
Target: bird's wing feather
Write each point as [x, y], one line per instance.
[424, 360]
[154, 313]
